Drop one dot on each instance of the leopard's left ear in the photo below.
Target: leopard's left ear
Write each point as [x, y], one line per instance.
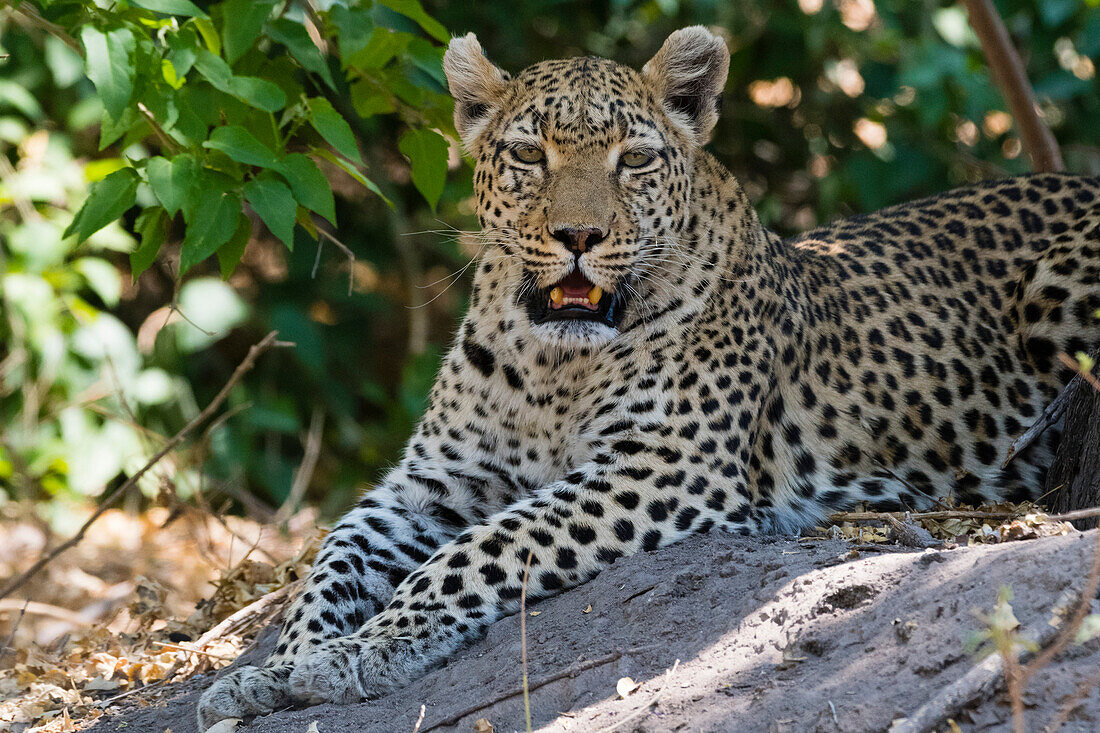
[689, 73]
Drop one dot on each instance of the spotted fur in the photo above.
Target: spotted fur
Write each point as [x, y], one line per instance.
[752, 384]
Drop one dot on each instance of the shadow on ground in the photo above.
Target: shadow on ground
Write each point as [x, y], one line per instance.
[772, 635]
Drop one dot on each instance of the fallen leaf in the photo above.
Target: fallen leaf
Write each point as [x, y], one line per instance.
[534, 613]
[482, 725]
[101, 683]
[625, 686]
[224, 726]
[313, 728]
[588, 609]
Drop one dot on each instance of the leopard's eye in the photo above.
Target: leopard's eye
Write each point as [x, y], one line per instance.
[528, 154]
[635, 159]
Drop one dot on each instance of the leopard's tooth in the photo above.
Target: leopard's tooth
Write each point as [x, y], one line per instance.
[595, 294]
[557, 295]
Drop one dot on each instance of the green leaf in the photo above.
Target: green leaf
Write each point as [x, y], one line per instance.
[208, 182]
[214, 68]
[257, 92]
[183, 50]
[168, 72]
[230, 253]
[209, 34]
[353, 172]
[308, 184]
[242, 21]
[172, 180]
[427, 151]
[276, 206]
[111, 129]
[240, 145]
[213, 222]
[414, 10]
[109, 68]
[383, 45]
[354, 26]
[171, 7]
[429, 59]
[107, 200]
[370, 100]
[150, 225]
[294, 36]
[333, 128]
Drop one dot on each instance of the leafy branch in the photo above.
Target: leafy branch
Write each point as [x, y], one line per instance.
[235, 101]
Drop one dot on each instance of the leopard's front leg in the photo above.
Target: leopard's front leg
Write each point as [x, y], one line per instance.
[376, 545]
[572, 529]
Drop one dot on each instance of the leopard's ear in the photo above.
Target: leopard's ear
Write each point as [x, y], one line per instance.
[688, 74]
[476, 85]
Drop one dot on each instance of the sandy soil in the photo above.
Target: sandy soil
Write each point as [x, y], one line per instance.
[771, 635]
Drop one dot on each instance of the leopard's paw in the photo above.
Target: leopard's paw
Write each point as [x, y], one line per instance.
[346, 670]
[245, 692]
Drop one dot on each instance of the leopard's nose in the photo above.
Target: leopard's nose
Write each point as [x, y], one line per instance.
[579, 239]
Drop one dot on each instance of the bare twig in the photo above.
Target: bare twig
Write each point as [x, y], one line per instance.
[1076, 514]
[1050, 416]
[523, 638]
[839, 517]
[15, 627]
[257, 608]
[1072, 363]
[420, 719]
[162, 136]
[302, 477]
[35, 608]
[27, 15]
[572, 671]
[1011, 77]
[343, 248]
[113, 498]
[189, 650]
[144, 688]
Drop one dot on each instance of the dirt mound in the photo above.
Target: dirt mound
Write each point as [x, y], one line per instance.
[771, 635]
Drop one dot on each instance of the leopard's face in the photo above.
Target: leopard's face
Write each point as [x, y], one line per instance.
[583, 181]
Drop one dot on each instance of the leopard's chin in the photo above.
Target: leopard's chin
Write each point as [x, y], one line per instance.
[574, 334]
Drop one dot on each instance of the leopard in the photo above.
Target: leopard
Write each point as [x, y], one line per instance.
[641, 360]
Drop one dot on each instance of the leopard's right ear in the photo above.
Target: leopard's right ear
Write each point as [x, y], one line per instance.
[476, 85]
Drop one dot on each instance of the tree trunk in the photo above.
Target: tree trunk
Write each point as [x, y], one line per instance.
[1009, 74]
[1073, 481]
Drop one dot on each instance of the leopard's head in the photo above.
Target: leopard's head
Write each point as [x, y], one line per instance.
[583, 176]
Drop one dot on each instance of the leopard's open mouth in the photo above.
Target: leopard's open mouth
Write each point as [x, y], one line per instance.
[573, 298]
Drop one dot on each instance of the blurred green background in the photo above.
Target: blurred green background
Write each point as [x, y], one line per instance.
[832, 107]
